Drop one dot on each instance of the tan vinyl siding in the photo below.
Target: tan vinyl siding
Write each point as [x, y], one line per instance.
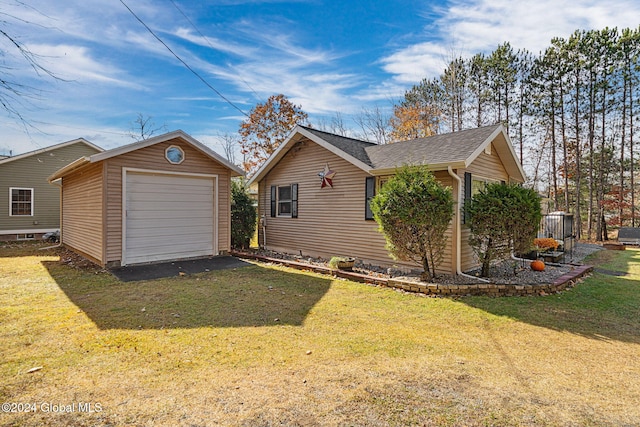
[330, 220]
[82, 214]
[32, 172]
[152, 158]
[487, 166]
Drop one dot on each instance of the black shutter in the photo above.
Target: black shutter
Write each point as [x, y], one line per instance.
[467, 196]
[294, 200]
[370, 191]
[273, 200]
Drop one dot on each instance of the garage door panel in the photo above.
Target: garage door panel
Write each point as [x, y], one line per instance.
[170, 205]
[191, 239]
[168, 217]
[166, 253]
[176, 198]
[170, 248]
[163, 215]
[164, 178]
[157, 228]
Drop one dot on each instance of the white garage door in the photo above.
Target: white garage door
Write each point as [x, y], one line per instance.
[168, 217]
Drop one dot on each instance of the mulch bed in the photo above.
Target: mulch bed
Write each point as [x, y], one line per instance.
[554, 279]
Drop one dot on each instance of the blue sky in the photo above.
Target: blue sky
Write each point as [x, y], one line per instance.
[327, 56]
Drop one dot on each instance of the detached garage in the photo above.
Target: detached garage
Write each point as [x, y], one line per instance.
[160, 199]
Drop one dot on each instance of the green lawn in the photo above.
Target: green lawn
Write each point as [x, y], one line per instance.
[263, 346]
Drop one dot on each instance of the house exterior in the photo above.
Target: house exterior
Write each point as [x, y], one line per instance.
[159, 199]
[29, 205]
[314, 190]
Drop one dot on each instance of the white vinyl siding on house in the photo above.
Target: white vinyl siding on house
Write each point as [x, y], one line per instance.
[20, 201]
[168, 216]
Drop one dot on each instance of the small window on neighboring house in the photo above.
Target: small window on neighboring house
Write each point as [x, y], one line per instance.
[284, 200]
[21, 201]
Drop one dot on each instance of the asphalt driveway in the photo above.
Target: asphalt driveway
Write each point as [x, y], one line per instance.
[176, 268]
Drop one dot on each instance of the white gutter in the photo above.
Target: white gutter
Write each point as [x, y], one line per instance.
[458, 234]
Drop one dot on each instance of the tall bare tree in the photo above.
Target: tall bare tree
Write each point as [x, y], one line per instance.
[374, 125]
[335, 124]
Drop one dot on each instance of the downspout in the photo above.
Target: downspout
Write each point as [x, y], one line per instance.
[458, 233]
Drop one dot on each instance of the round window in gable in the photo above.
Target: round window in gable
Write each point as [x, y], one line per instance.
[174, 155]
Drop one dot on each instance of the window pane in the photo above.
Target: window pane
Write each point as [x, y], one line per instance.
[284, 208]
[476, 186]
[21, 202]
[284, 193]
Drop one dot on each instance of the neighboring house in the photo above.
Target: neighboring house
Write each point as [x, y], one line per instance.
[159, 199]
[29, 205]
[314, 190]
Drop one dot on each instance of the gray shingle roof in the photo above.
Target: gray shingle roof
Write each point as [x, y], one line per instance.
[354, 147]
[436, 149]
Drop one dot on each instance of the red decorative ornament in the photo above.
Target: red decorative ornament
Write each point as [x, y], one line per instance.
[327, 177]
[537, 265]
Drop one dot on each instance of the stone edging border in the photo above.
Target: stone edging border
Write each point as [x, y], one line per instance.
[561, 283]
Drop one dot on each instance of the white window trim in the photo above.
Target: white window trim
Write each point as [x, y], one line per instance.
[11, 201]
[278, 200]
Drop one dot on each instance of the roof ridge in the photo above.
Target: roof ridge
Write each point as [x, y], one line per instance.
[336, 135]
[26, 154]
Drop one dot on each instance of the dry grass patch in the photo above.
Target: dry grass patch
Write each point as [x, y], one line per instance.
[261, 346]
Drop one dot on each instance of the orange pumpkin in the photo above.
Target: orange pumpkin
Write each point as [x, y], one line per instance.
[537, 265]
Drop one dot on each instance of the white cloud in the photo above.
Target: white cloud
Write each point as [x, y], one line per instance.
[75, 63]
[215, 43]
[466, 27]
[413, 63]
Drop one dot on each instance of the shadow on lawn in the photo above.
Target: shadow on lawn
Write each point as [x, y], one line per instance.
[603, 307]
[241, 297]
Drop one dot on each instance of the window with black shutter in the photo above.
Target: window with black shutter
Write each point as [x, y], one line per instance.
[284, 200]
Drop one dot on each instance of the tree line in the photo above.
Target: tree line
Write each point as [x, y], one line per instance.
[570, 110]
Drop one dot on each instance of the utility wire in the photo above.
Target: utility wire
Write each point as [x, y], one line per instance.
[182, 61]
[206, 39]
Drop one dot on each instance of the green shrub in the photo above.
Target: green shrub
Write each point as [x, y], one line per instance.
[243, 216]
[503, 219]
[413, 211]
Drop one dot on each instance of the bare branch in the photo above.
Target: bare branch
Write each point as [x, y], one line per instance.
[143, 128]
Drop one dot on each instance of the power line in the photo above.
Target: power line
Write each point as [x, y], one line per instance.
[182, 61]
[206, 39]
